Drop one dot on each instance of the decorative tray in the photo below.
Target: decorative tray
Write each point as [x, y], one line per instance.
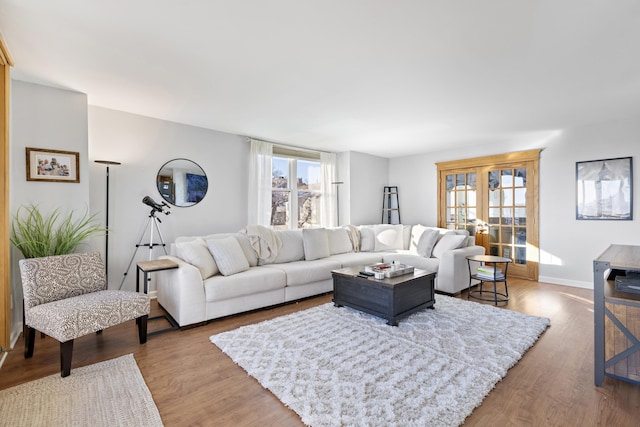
[389, 269]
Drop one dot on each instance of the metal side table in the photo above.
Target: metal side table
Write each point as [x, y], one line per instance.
[492, 274]
[147, 267]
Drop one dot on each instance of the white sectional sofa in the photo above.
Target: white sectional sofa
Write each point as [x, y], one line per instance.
[229, 273]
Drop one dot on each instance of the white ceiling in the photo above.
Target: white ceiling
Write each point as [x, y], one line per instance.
[384, 77]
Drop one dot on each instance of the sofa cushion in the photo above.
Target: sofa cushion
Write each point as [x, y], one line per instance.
[196, 253]
[414, 237]
[406, 235]
[339, 241]
[427, 242]
[316, 243]
[367, 238]
[249, 282]
[388, 237]
[448, 242]
[248, 250]
[245, 244]
[305, 272]
[357, 258]
[228, 255]
[292, 246]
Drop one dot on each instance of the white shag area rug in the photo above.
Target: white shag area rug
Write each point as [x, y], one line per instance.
[110, 393]
[340, 367]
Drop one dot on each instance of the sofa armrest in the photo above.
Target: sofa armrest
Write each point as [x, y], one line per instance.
[181, 292]
[453, 271]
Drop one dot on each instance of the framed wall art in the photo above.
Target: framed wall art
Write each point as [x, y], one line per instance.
[52, 165]
[604, 189]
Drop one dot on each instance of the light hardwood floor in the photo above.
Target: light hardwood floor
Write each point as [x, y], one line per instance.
[194, 384]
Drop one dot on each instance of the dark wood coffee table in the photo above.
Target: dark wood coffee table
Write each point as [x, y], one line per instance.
[389, 299]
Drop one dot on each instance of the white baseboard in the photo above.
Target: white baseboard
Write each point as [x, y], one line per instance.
[565, 282]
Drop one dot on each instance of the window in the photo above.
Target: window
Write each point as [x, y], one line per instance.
[296, 191]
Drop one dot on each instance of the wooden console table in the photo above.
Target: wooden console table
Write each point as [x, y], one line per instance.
[617, 335]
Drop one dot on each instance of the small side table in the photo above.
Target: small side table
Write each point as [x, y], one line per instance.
[493, 277]
[147, 267]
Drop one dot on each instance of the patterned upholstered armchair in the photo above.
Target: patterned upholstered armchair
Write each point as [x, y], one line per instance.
[65, 297]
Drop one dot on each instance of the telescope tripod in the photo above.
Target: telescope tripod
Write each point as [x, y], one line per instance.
[152, 223]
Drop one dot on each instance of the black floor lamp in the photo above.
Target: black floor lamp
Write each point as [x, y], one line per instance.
[106, 237]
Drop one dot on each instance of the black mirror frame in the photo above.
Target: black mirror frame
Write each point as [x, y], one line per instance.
[166, 188]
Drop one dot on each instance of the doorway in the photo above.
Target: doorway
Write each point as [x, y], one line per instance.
[495, 198]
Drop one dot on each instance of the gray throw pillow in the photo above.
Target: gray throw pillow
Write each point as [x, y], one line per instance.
[228, 255]
[316, 243]
[427, 242]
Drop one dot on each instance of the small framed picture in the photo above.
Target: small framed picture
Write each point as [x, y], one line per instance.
[52, 165]
[604, 189]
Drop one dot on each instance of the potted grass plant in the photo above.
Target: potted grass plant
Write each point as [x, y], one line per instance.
[38, 235]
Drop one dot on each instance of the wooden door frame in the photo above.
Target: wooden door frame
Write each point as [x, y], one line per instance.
[5, 259]
[483, 163]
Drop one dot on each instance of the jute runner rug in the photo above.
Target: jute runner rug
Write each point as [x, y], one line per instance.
[340, 367]
[110, 393]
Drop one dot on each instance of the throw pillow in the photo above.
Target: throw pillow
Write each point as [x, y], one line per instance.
[427, 242]
[367, 239]
[195, 252]
[388, 237]
[292, 248]
[448, 242]
[339, 241]
[248, 250]
[416, 234]
[228, 255]
[316, 243]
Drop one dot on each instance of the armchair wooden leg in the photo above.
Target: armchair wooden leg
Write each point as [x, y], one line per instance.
[142, 328]
[29, 340]
[66, 351]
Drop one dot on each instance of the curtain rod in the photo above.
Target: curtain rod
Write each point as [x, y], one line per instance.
[291, 147]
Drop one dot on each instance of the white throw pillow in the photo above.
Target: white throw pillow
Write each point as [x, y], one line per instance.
[248, 250]
[406, 236]
[195, 252]
[367, 239]
[228, 255]
[416, 234]
[427, 242]
[316, 243]
[242, 238]
[339, 241]
[388, 237]
[292, 247]
[448, 242]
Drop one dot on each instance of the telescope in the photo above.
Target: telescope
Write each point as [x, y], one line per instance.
[157, 207]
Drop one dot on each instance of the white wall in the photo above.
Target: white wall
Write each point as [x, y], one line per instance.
[368, 175]
[44, 117]
[568, 246]
[143, 145]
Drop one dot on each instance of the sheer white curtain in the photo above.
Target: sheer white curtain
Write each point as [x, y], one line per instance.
[260, 183]
[329, 217]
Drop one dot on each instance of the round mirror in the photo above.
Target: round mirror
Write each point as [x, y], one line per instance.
[182, 182]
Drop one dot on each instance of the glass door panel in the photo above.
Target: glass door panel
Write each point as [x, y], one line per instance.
[460, 199]
[507, 195]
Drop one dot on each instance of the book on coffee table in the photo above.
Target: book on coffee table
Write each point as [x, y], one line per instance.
[389, 269]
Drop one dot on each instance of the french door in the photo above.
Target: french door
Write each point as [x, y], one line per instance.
[495, 198]
[5, 261]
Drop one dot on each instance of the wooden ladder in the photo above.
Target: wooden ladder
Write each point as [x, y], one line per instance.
[390, 206]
